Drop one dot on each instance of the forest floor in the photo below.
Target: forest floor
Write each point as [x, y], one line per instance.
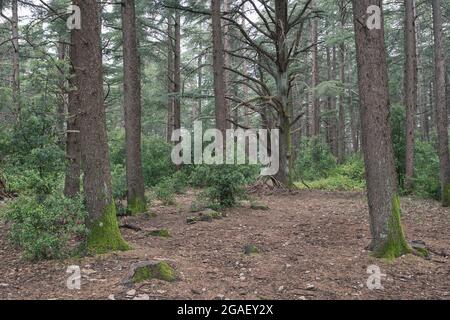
[313, 247]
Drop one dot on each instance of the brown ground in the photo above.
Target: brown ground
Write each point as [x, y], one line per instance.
[313, 248]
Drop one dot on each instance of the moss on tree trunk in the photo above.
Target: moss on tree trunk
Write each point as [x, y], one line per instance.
[104, 235]
[395, 244]
[137, 205]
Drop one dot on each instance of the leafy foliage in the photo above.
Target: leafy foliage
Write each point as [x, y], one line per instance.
[46, 229]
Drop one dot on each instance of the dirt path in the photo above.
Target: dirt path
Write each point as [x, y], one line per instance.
[312, 248]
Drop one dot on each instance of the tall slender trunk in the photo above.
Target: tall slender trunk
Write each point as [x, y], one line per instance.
[341, 121]
[315, 105]
[132, 110]
[16, 59]
[218, 66]
[177, 73]
[441, 105]
[334, 123]
[353, 114]
[104, 234]
[73, 148]
[342, 62]
[62, 103]
[410, 90]
[388, 240]
[170, 79]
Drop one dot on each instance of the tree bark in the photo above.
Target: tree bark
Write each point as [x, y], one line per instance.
[132, 107]
[170, 79]
[104, 234]
[440, 102]
[410, 90]
[342, 53]
[388, 239]
[73, 151]
[177, 73]
[218, 66]
[16, 59]
[315, 105]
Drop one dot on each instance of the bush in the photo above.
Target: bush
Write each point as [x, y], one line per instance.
[165, 191]
[314, 160]
[119, 181]
[427, 183]
[156, 160]
[46, 229]
[225, 185]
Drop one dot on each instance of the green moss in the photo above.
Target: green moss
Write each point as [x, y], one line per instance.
[251, 250]
[137, 205]
[163, 233]
[104, 235]
[422, 252]
[259, 206]
[395, 245]
[161, 271]
[446, 196]
[192, 220]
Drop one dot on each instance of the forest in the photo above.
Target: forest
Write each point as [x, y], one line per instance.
[224, 150]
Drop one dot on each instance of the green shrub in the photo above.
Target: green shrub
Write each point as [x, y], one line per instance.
[427, 182]
[46, 229]
[119, 181]
[180, 180]
[225, 185]
[314, 160]
[165, 191]
[156, 157]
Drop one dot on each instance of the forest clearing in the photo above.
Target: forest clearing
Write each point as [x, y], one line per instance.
[225, 150]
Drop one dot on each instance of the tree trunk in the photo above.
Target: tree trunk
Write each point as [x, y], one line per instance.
[341, 127]
[410, 90]
[16, 59]
[285, 117]
[62, 95]
[315, 105]
[440, 102]
[170, 79]
[342, 53]
[73, 151]
[218, 66]
[132, 107]
[104, 234]
[388, 240]
[177, 73]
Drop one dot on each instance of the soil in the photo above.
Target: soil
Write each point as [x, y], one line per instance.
[312, 246]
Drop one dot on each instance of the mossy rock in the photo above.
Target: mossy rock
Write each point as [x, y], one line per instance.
[259, 206]
[251, 249]
[162, 233]
[192, 220]
[148, 270]
[420, 248]
[210, 215]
